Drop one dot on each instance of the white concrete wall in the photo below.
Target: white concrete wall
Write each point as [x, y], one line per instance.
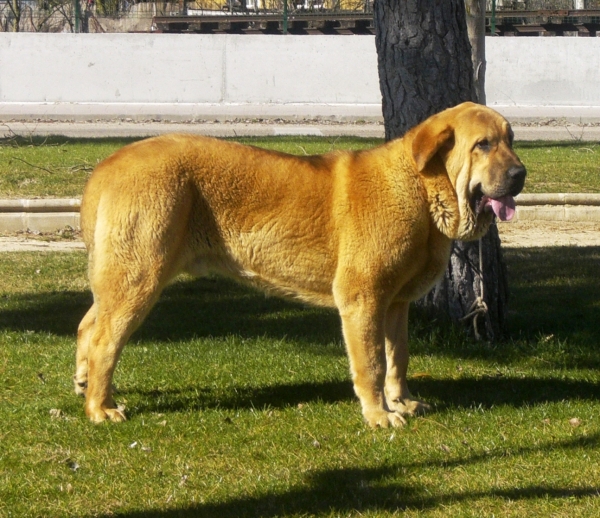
[559, 74]
[204, 76]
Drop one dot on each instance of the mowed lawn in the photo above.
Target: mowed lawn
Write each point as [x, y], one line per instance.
[241, 405]
[59, 167]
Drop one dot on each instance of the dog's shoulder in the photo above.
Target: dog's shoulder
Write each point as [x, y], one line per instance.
[429, 180]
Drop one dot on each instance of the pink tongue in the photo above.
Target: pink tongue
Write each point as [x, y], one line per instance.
[504, 208]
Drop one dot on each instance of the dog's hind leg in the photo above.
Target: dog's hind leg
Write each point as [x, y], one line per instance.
[134, 257]
[122, 301]
[83, 336]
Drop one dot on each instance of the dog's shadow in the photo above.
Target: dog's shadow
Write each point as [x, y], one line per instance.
[389, 488]
[277, 396]
[446, 395]
[198, 308]
[219, 308]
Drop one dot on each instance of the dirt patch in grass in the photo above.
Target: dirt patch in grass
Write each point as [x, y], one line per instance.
[520, 234]
[528, 234]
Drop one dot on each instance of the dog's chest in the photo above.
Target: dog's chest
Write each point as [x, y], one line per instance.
[429, 266]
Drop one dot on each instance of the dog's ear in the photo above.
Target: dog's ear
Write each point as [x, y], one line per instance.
[430, 137]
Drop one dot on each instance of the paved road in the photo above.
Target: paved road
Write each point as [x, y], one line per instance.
[556, 131]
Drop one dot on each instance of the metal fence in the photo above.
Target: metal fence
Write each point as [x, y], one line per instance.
[247, 16]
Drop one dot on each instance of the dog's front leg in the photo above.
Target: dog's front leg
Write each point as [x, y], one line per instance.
[397, 395]
[364, 334]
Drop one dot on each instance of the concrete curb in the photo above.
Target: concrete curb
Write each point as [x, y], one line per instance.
[41, 205]
[587, 199]
[558, 207]
[52, 214]
[39, 215]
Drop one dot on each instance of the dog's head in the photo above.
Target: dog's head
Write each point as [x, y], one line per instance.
[474, 145]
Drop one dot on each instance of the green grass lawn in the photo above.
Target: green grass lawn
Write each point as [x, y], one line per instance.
[561, 166]
[241, 405]
[59, 167]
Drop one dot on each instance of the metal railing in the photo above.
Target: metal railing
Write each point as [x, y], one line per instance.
[351, 16]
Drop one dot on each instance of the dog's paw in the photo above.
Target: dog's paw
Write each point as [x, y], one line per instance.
[409, 406]
[80, 387]
[99, 415]
[383, 419]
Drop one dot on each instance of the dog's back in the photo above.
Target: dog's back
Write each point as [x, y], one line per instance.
[210, 203]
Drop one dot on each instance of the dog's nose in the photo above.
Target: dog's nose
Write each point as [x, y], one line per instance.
[517, 173]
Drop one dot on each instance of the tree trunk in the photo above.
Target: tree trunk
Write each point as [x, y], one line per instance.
[425, 66]
[475, 10]
[424, 60]
[459, 292]
[15, 7]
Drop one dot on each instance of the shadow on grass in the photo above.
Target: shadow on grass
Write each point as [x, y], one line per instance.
[555, 291]
[219, 308]
[57, 313]
[554, 294]
[349, 491]
[275, 396]
[468, 393]
[493, 392]
[198, 308]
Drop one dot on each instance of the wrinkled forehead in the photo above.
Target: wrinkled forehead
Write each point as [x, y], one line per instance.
[482, 122]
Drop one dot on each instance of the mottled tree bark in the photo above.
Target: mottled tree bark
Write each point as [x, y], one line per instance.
[425, 66]
[424, 60]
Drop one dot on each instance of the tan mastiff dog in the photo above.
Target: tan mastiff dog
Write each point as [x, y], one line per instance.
[365, 232]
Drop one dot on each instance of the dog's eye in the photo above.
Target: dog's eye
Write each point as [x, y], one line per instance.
[484, 145]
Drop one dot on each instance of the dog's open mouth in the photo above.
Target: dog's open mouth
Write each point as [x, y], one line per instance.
[503, 207]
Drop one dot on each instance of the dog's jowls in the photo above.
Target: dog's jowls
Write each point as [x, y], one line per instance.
[366, 232]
